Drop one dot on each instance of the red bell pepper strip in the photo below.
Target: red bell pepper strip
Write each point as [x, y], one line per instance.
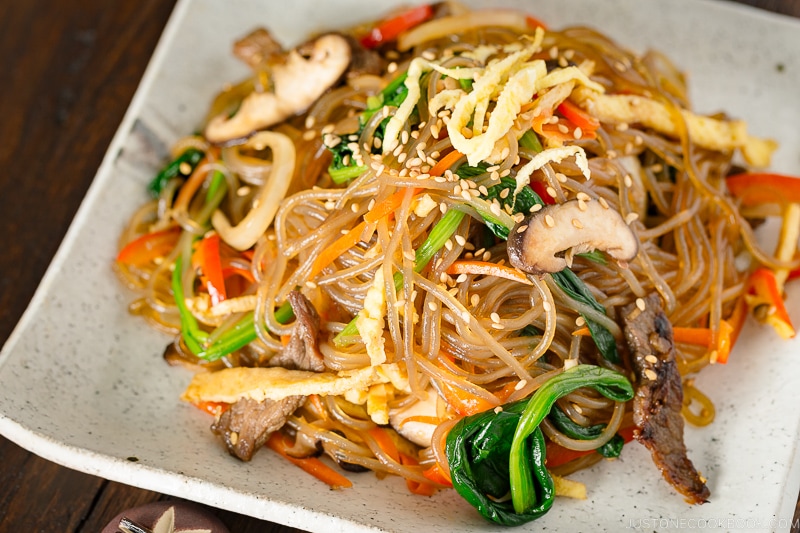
[389, 29]
[541, 189]
[144, 249]
[580, 118]
[533, 22]
[764, 290]
[206, 258]
[756, 188]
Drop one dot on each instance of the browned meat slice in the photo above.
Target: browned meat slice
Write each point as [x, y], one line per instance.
[659, 397]
[363, 61]
[247, 424]
[258, 49]
[302, 351]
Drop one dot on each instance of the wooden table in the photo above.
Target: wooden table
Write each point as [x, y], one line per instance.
[69, 70]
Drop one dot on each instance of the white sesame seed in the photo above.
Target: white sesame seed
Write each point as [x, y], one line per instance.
[460, 240]
[391, 68]
[448, 244]
[498, 409]
[535, 207]
[552, 192]
[628, 180]
[522, 228]
[603, 202]
[580, 321]
[546, 306]
[461, 278]
[474, 299]
[432, 306]
[443, 277]
[640, 304]
[495, 325]
[549, 222]
[652, 359]
[631, 217]
[652, 376]
[495, 317]
[309, 134]
[582, 205]
[311, 285]
[354, 207]
[577, 223]
[486, 256]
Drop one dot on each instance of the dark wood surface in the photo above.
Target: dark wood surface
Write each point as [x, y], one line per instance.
[68, 71]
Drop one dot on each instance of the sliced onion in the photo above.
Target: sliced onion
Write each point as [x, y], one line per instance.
[258, 219]
[458, 24]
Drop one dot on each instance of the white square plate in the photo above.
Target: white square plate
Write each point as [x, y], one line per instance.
[82, 383]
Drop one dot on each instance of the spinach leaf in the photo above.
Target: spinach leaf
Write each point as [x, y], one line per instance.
[492, 454]
[574, 287]
[190, 156]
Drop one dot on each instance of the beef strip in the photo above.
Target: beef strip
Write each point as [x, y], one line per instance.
[659, 397]
[302, 351]
[363, 61]
[258, 49]
[247, 424]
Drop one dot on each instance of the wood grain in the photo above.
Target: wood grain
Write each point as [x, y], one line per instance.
[69, 70]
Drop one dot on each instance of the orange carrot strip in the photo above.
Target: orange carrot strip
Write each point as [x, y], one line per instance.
[463, 402]
[278, 443]
[339, 246]
[387, 206]
[416, 487]
[445, 162]
[438, 475]
[487, 269]
[583, 332]
[699, 336]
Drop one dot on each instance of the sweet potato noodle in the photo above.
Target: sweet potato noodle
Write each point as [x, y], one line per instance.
[450, 231]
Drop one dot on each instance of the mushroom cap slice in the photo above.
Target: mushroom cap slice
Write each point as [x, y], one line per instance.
[545, 240]
[305, 74]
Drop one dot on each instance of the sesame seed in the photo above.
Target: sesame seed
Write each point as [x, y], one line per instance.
[561, 177]
[460, 240]
[448, 244]
[408, 254]
[580, 321]
[552, 192]
[520, 384]
[483, 190]
[582, 205]
[354, 207]
[577, 223]
[522, 228]
[474, 299]
[638, 140]
[658, 167]
[631, 217]
[546, 306]
[507, 171]
[603, 202]
[652, 359]
[466, 132]
[495, 317]
[391, 67]
[309, 134]
[486, 256]
[244, 190]
[453, 291]
[577, 408]
[429, 55]
[549, 222]
[328, 128]
[310, 121]
[622, 126]
[498, 409]
[640, 304]
[330, 204]
[311, 285]
[495, 325]
[652, 376]
[535, 207]
[628, 180]
[461, 278]
[233, 438]
[400, 303]
[457, 190]
[404, 137]
[443, 277]
[619, 66]
[466, 195]
[583, 196]
[402, 157]
[432, 306]
[504, 193]
[443, 207]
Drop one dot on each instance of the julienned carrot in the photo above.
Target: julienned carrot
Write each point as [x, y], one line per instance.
[445, 162]
[484, 268]
[436, 474]
[339, 246]
[583, 332]
[557, 455]
[387, 206]
[463, 402]
[764, 290]
[703, 337]
[384, 208]
[278, 443]
[385, 443]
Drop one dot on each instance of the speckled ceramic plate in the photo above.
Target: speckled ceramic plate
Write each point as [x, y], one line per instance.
[82, 383]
